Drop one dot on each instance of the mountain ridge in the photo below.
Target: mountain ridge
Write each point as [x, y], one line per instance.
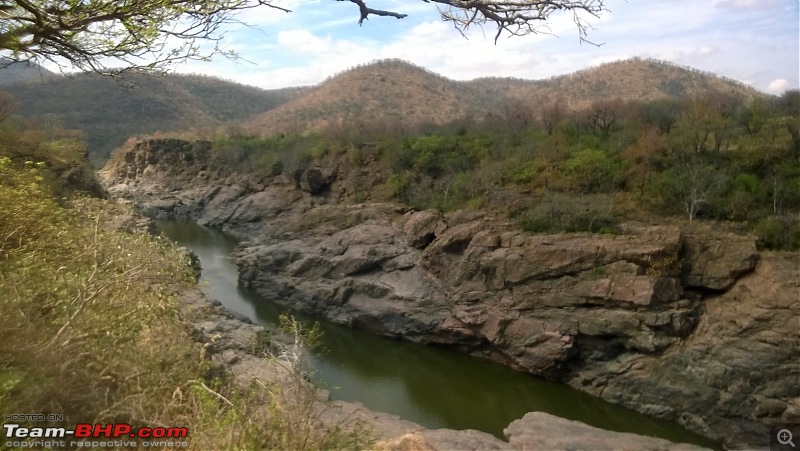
[387, 95]
[338, 99]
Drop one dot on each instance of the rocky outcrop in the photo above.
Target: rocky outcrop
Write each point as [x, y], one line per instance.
[231, 343]
[690, 325]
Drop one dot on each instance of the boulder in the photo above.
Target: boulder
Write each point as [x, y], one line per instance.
[538, 430]
[716, 261]
[422, 227]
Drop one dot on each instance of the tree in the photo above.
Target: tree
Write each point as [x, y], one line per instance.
[590, 171]
[518, 116]
[7, 105]
[693, 184]
[602, 116]
[151, 34]
[553, 112]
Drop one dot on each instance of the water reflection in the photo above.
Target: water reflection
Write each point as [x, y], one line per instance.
[430, 386]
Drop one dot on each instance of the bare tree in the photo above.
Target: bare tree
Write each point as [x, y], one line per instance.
[7, 105]
[151, 34]
[517, 17]
[518, 116]
[603, 115]
[553, 112]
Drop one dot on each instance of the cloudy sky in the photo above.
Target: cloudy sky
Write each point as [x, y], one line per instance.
[754, 41]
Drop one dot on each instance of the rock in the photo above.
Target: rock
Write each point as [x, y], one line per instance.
[717, 261]
[735, 374]
[407, 442]
[422, 227]
[312, 180]
[165, 205]
[467, 440]
[538, 430]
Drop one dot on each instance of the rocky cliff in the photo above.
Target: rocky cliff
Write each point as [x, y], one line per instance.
[692, 325]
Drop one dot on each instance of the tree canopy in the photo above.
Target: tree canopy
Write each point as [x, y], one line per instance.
[150, 34]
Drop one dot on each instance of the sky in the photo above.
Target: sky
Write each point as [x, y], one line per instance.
[754, 41]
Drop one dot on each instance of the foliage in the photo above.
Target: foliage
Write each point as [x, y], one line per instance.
[781, 233]
[138, 35]
[560, 213]
[93, 328]
[705, 158]
[590, 171]
[147, 35]
[83, 297]
[395, 187]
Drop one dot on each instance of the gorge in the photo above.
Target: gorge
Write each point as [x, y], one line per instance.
[691, 325]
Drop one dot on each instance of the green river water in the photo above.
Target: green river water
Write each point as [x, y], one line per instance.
[434, 387]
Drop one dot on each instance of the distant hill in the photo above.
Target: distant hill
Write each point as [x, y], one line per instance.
[397, 91]
[12, 72]
[111, 110]
[632, 79]
[389, 91]
[392, 93]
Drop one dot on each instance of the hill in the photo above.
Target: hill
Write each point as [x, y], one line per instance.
[390, 92]
[394, 91]
[12, 72]
[389, 95]
[629, 80]
[111, 110]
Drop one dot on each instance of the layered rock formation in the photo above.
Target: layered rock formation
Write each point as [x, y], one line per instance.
[228, 342]
[691, 325]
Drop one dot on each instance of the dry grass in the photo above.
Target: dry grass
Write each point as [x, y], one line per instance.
[92, 329]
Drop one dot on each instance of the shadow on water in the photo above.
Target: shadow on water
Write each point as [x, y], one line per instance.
[434, 387]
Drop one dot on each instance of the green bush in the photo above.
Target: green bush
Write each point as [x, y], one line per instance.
[395, 187]
[591, 171]
[563, 213]
[778, 233]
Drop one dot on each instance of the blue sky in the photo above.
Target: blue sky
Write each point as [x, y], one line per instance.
[753, 41]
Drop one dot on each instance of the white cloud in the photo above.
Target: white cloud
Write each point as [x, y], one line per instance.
[778, 86]
[304, 41]
[749, 4]
[741, 39]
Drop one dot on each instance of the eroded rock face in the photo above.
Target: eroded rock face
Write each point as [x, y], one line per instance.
[716, 262]
[612, 315]
[691, 326]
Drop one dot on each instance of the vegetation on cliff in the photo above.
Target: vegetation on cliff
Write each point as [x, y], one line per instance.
[92, 325]
[714, 156]
[389, 94]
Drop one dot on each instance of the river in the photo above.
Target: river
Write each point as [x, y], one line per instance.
[434, 387]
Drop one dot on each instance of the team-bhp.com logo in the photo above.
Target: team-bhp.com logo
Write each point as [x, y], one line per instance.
[19, 436]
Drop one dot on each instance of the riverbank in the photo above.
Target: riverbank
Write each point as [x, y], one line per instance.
[682, 323]
[433, 387]
[227, 339]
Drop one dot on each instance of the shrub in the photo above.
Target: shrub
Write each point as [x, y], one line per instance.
[563, 213]
[778, 233]
[92, 329]
[591, 171]
[395, 187]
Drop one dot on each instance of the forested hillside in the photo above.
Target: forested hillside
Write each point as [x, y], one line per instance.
[12, 72]
[392, 95]
[110, 110]
[710, 156]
